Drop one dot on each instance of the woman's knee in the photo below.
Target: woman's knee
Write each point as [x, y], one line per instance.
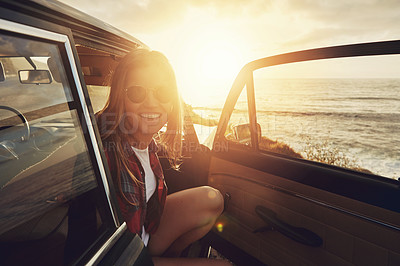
[213, 198]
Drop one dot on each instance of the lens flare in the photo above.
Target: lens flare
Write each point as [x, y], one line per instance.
[220, 227]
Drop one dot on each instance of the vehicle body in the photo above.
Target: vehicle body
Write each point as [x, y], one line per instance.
[57, 198]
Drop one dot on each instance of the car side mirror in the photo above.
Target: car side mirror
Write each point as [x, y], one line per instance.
[242, 133]
[34, 76]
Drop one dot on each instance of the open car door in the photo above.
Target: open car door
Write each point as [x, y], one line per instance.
[307, 156]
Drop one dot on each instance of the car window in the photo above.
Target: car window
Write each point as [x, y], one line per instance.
[343, 112]
[51, 206]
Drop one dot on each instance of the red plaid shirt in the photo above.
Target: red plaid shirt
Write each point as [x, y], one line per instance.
[137, 212]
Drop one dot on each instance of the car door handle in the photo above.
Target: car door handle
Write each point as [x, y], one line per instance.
[298, 234]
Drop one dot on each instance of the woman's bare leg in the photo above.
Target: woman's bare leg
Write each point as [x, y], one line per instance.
[188, 215]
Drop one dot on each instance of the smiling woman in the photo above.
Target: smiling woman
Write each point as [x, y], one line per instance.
[143, 97]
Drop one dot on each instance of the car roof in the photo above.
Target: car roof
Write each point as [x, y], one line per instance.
[87, 30]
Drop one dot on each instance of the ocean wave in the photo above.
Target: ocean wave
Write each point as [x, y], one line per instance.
[341, 99]
[352, 115]
[207, 108]
[373, 116]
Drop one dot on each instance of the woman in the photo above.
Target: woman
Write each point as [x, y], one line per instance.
[143, 98]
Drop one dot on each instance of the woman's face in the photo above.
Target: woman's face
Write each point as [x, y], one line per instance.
[147, 117]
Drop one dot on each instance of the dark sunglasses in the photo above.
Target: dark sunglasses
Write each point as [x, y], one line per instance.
[138, 94]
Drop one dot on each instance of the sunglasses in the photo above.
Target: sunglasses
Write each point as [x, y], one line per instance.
[138, 94]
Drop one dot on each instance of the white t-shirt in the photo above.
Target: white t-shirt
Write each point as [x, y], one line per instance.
[150, 181]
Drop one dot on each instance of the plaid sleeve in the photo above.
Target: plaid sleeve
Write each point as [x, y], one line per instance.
[132, 216]
[132, 210]
[130, 189]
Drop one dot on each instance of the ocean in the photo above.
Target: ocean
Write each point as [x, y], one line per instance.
[353, 120]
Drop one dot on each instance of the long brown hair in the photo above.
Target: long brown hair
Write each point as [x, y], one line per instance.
[111, 118]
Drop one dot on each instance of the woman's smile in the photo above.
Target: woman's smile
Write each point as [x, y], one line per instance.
[150, 116]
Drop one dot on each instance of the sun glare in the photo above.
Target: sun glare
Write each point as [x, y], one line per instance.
[210, 58]
[210, 70]
[218, 60]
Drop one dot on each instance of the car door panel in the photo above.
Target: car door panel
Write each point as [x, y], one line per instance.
[347, 238]
[347, 183]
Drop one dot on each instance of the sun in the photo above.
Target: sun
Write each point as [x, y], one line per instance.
[206, 51]
[218, 59]
[208, 64]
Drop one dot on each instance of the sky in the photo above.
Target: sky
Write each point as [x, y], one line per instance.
[209, 41]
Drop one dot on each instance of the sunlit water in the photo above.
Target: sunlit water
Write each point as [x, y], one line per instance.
[360, 118]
